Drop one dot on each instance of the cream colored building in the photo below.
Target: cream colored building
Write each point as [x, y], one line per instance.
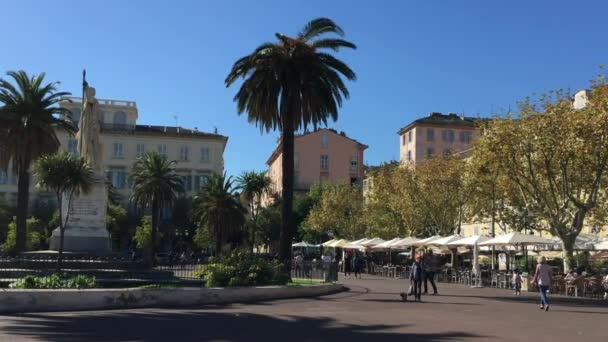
[198, 154]
[322, 156]
[436, 134]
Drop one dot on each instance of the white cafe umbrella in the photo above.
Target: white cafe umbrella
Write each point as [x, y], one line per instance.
[340, 243]
[386, 244]
[407, 242]
[372, 242]
[304, 244]
[443, 241]
[516, 239]
[424, 242]
[327, 243]
[360, 241]
[468, 241]
[602, 246]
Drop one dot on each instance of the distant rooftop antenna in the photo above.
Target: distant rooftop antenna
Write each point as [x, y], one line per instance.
[215, 130]
[175, 118]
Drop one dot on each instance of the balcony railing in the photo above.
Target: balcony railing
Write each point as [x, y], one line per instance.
[105, 102]
[117, 127]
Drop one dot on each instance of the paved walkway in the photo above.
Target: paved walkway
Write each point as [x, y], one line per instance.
[370, 312]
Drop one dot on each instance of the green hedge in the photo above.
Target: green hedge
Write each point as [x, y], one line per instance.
[54, 281]
[241, 269]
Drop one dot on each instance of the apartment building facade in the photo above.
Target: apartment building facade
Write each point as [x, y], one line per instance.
[436, 134]
[322, 156]
[123, 140]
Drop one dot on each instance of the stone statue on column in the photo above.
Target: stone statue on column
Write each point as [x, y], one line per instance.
[89, 146]
[85, 230]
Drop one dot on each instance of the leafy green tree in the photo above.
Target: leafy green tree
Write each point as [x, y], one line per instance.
[554, 158]
[7, 212]
[143, 234]
[36, 238]
[29, 120]
[290, 85]
[219, 210]
[117, 223]
[63, 174]
[339, 212]
[253, 186]
[155, 186]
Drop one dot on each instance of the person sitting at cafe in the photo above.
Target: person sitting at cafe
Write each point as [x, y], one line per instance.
[571, 275]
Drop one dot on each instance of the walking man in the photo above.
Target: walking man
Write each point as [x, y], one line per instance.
[430, 266]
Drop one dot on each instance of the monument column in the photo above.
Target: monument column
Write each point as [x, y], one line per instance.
[86, 230]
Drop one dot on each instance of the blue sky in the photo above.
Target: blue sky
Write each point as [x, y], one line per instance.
[413, 57]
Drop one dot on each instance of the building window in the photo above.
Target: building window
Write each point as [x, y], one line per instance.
[324, 162]
[325, 139]
[465, 137]
[409, 136]
[409, 155]
[118, 151]
[200, 181]
[403, 139]
[72, 146]
[296, 160]
[205, 155]
[429, 152]
[3, 177]
[448, 135]
[183, 153]
[354, 163]
[120, 119]
[118, 178]
[141, 150]
[430, 134]
[187, 182]
[162, 150]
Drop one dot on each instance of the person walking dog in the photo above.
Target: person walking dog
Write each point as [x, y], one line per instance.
[416, 277]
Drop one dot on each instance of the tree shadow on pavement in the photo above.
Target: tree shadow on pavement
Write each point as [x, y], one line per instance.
[120, 326]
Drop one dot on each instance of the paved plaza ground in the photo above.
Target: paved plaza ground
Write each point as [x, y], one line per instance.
[371, 311]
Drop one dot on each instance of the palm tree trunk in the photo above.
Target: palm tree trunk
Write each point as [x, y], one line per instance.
[23, 193]
[287, 228]
[155, 219]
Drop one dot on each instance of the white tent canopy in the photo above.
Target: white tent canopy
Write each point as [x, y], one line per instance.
[303, 244]
[407, 242]
[424, 242]
[468, 241]
[386, 244]
[360, 241]
[602, 246]
[443, 241]
[514, 239]
[353, 245]
[327, 243]
[372, 242]
[339, 243]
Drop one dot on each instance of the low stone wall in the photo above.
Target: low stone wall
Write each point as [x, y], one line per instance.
[18, 301]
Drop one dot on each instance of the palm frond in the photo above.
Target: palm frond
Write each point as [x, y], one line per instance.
[319, 26]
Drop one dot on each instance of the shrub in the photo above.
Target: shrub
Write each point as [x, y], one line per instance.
[54, 281]
[241, 269]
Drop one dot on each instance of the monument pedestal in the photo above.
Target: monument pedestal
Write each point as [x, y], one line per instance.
[86, 230]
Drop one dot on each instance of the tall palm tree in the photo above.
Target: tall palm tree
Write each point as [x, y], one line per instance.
[155, 186]
[64, 175]
[253, 186]
[218, 209]
[29, 120]
[290, 85]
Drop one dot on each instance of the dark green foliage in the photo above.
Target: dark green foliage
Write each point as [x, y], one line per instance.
[241, 269]
[54, 281]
